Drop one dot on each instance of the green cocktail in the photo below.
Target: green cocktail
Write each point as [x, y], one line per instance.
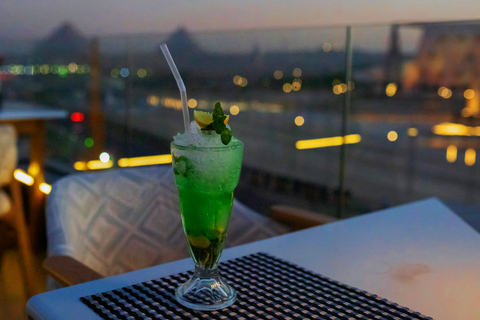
[206, 178]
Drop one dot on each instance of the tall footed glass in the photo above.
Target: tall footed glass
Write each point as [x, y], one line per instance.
[206, 178]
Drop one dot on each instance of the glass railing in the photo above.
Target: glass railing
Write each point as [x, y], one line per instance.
[395, 123]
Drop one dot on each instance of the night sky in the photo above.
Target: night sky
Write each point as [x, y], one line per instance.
[29, 19]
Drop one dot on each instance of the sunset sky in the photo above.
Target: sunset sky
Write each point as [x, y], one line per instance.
[28, 19]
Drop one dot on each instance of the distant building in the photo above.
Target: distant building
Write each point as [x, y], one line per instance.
[66, 44]
[448, 55]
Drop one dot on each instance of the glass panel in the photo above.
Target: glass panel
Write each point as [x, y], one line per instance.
[415, 104]
[276, 85]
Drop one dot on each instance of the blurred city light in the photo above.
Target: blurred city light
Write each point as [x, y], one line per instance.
[392, 136]
[467, 112]
[80, 165]
[172, 103]
[234, 110]
[287, 87]
[412, 132]
[297, 72]
[72, 67]
[34, 169]
[124, 72]
[27, 179]
[296, 85]
[92, 165]
[243, 82]
[45, 188]
[153, 100]
[391, 89]
[340, 88]
[115, 73]
[328, 142]
[444, 92]
[451, 153]
[88, 142]
[192, 103]
[77, 117]
[278, 74]
[469, 94]
[299, 121]
[455, 129]
[104, 157]
[23, 177]
[470, 156]
[141, 73]
[337, 89]
[145, 161]
[327, 47]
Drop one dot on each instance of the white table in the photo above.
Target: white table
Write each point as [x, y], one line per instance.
[420, 255]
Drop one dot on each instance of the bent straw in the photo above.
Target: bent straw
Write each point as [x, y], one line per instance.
[181, 86]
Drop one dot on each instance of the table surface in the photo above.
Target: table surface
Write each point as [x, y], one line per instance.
[420, 255]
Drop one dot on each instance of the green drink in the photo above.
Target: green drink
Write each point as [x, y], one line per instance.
[207, 169]
[206, 178]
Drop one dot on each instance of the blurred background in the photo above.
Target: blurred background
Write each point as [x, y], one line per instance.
[400, 81]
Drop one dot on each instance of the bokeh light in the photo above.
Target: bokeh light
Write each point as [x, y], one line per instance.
[72, 67]
[392, 136]
[234, 110]
[124, 72]
[141, 73]
[444, 92]
[327, 47]
[104, 157]
[297, 72]
[451, 153]
[153, 100]
[469, 94]
[287, 87]
[88, 142]
[470, 156]
[299, 121]
[391, 89]
[192, 103]
[412, 132]
[237, 79]
[278, 74]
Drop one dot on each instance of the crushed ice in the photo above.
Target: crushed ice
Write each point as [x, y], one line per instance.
[199, 138]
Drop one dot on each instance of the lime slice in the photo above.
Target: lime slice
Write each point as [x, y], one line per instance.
[199, 242]
[202, 118]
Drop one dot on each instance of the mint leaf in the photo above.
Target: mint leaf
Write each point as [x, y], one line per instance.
[219, 125]
[226, 136]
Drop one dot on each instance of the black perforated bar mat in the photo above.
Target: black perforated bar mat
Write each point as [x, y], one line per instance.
[267, 288]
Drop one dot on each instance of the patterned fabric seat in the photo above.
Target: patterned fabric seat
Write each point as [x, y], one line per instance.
[122, 220]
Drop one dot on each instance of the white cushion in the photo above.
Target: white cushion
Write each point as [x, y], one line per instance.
[122, 220]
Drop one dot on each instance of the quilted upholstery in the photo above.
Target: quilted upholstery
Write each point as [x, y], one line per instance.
[122, 220]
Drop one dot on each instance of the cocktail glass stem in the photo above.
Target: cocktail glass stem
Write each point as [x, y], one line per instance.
[205, 290]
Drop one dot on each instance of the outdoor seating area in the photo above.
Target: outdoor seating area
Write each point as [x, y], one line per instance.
[239, 160]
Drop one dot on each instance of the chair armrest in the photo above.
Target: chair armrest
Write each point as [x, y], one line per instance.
[298, 218]
[68, 271]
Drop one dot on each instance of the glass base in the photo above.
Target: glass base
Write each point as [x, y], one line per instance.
[205, 291]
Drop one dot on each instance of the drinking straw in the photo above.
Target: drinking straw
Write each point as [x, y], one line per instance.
[181, 87]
